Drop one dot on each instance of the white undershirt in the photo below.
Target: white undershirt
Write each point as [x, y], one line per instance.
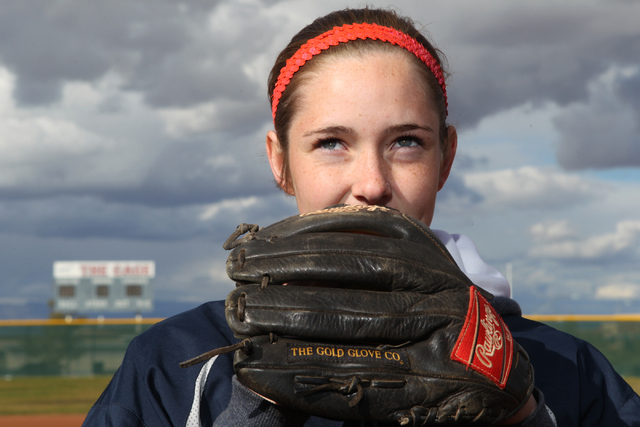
[466, 255]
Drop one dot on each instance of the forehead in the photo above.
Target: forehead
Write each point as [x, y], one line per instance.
[346, 83]
[385, 54]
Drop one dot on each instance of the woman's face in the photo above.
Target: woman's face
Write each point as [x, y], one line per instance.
[365, 133]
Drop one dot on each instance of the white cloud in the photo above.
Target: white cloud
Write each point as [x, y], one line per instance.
[207, 117]
[37, 148]
[550, 231]
[71, 146]
[532, 188]
[104, 142]
[625, 239]
[228, 207]
[180, 122]
[618, 291]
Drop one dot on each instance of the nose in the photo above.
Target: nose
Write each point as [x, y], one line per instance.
[371, 180]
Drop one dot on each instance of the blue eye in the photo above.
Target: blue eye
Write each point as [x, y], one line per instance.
[329, 144]
[407, 141]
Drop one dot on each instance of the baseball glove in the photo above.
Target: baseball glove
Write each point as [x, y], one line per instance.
[359, 312]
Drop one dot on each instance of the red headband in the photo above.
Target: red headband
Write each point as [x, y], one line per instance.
[347, 33]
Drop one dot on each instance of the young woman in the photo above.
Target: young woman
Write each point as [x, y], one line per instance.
[359, 106]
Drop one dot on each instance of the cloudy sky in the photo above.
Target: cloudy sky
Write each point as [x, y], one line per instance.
[135, 131]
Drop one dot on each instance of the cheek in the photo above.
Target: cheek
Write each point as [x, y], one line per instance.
[420, 177]
[418, 188]
[314, 186]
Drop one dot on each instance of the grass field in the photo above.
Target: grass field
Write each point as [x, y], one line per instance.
[50, 395]
[634, 382]
[60, 395]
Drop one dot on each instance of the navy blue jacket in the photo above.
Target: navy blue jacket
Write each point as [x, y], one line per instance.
[150, 389]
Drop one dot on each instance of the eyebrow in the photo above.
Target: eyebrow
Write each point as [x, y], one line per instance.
[408, 127]
[335, 130]
[331, 130]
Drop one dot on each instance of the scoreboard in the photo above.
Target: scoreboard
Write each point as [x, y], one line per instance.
[103, 286]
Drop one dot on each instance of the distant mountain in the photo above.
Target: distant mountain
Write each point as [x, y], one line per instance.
[23, 310]
[37, 310]
[533, 304]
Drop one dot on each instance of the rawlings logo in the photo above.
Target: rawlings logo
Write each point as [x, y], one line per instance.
[485, 343]
[492, 339]
[348, 208]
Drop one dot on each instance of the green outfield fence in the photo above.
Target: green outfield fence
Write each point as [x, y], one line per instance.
[81, 347]
[74, 347]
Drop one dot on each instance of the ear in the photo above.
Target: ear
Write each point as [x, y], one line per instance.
[276, 160]
[447, 158]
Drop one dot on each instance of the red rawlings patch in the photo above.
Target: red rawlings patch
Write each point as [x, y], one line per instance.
[485, 343]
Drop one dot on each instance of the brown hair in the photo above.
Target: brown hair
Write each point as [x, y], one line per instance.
[387, 18]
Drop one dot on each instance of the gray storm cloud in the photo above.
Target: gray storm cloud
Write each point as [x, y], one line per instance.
[603, 131]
